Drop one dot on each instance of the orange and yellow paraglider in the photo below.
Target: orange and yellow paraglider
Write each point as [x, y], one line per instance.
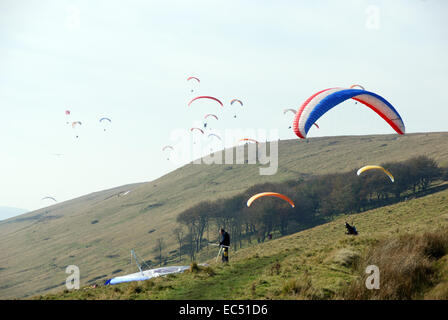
[374, 167]
[270, 194]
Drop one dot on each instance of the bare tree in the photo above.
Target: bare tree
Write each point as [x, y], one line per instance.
[159, 248]
[179, 234]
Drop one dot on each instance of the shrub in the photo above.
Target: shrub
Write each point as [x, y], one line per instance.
[406, 265]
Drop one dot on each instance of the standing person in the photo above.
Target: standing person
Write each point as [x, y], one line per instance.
[225, 242]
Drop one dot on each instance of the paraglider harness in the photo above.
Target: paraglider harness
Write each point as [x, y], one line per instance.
[351, 229]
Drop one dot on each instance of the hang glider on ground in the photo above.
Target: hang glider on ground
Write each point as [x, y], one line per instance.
[321, 102]
[146, 274]
[269, 194]
[123, 193]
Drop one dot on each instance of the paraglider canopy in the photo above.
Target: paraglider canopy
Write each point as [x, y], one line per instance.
[269, 194]
[76, 123]
[200, 130]
[205, 97]
[210, 115]
[49, 198]
[214, 135]
[107, 120]
[193, 78]
[236, 100]
[357, 85]
[189, 78]
[248, 139]
[321, 102]
[167, 147]
[374, 167]
[289, 110]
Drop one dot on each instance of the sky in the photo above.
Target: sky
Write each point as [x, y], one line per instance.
[130, 60]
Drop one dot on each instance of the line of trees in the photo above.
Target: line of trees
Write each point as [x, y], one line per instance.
[317, 199]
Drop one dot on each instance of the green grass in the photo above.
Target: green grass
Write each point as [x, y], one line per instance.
[36, 247]
[318, 263]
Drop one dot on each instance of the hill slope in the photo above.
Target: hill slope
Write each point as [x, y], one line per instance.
[317, 260]
[97, 231]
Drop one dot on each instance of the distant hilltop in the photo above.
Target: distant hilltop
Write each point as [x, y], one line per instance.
[9, 212]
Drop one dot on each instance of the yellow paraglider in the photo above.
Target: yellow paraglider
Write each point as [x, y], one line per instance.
[273, 194]
[370, 167]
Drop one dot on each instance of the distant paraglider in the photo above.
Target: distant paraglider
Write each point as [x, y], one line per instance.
[269, 194]
[214, 135]
[200, 130]
[236, 100]
[289, 110]
[189, 78]
[105, 120]
[196, 130]
[353, 86]
[195, 79]
[321, 102]
[294, 111]
[75, 125]
[49, 198]
[67, 113]
[170, 148]
[208, 116]
[249, 140]
[167, 147]
[357, 85]
[374, 167]
[205, 97]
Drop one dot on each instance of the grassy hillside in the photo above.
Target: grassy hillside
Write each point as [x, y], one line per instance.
[318, 263]
[97, 231]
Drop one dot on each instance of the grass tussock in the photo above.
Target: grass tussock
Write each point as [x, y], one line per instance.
[346, 257]
[196, 269]
[407, 266]
[301, 288]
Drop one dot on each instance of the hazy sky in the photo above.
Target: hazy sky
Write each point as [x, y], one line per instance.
[129, 60]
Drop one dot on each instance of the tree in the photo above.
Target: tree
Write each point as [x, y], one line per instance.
[179, 235]
[158, 249]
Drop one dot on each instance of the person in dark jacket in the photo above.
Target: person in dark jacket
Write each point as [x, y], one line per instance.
[225, 243]
[351, 229]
